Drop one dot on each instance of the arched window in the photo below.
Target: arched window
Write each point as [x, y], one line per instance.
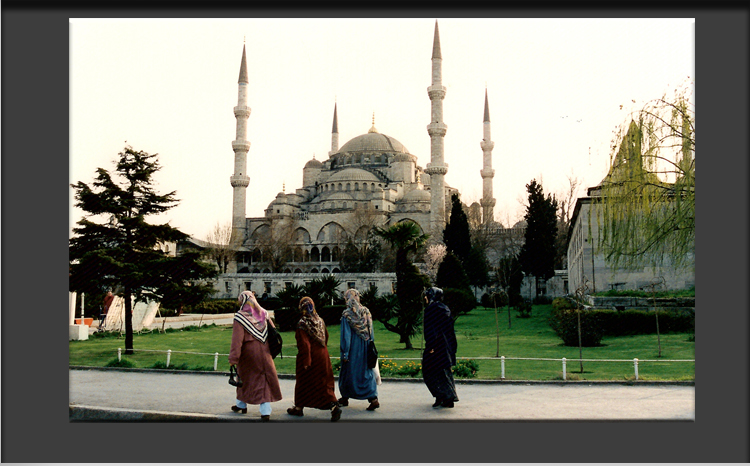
[340, 187]
[325, 255]
[297, 271]
[314, 270]
[325, 271]
[348, 186]
[315, 255]
[356, 186]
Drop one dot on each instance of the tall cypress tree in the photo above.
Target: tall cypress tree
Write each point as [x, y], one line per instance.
[121, 253]
[537, 255]
[456, 234]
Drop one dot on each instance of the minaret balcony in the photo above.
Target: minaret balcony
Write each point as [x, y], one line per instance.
[241, 146]
[242, 111]
[487, 172]
[487, 202]
[239, 181]
[437, 129]
[487, 145]
[436, 170]
[436, 92]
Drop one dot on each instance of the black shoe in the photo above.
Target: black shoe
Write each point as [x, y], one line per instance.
[343, 401]
[295, 411]
[446, 404]
[335, 414]
[437, 403]
[237, 409]
[374, 404]
[265, 418]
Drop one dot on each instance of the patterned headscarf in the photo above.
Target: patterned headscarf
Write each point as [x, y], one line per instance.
[311, 322]
[357, 315]
[434, 294]
[250, 305]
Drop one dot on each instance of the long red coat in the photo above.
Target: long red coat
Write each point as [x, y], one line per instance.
[314, 387]
[255, 366]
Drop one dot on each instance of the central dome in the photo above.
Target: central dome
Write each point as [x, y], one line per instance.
[373, 141]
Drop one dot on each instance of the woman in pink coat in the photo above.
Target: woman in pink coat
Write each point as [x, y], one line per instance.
[251, 354]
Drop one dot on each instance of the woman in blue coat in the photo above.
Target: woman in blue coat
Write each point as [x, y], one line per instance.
[356, 380]
[439, 350]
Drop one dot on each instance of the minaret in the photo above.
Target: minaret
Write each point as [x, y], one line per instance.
[239, 180]
[487, 202]
[334, 133]
[437, 168]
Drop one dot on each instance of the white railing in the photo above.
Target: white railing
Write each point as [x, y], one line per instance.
[502, 360]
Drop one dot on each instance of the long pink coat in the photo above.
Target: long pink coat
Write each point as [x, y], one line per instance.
[255, 366]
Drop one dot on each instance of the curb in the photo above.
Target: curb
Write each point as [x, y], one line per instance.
[83, 413]
[690, 383]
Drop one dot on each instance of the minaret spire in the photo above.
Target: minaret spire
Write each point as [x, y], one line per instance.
[487, 202]
[437, 168]
[239, 180]
[334, 132]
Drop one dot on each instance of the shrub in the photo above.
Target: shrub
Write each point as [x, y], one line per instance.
[214, 306]
[121, 363]
[466, 369]
[565, 323]
[331, 315]
[524, 308]
[286, 318]
[389, 367]
[542, 300]
[563, 303]
[643, 322]
[459, 301]
[495, 299]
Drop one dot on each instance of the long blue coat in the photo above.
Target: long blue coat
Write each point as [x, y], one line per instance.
[356, 380]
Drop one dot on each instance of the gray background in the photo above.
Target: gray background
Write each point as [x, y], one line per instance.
[34, 240]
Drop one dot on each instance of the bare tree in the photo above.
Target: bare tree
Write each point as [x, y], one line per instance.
[275, 241]
[220, 248]
[565, 204]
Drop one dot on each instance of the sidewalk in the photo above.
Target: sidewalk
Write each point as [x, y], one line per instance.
[181, 321]
[98, 394]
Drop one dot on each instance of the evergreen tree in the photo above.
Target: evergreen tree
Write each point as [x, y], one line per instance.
[477, 268]
[456, 286]
[406, 238]
[537, 255]
[122, 253]
[456, 235]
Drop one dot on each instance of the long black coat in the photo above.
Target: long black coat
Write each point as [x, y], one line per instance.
[439, 338]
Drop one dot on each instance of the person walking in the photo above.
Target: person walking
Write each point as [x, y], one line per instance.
[314, 385]
[252, 356]
[440, 349]
[356, 380]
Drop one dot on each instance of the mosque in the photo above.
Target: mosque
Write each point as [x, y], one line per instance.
[370, 180]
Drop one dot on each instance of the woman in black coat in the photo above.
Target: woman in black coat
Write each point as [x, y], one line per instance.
[440, 350]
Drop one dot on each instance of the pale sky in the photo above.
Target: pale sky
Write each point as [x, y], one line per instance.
[555, 86]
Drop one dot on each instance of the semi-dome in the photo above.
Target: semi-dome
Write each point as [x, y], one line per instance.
[373, 141]
[417, 195]
[352, 174]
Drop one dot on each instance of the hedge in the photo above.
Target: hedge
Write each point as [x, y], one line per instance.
[598, 323]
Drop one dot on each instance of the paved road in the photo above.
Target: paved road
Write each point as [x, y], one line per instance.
[98, 394]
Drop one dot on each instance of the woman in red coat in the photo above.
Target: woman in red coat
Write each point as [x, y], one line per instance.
[314, 386]
[250, 353]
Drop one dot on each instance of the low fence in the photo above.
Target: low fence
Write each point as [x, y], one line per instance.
[502, 359]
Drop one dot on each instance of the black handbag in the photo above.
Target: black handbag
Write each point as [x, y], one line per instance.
[234, 376]
[274, 341]
[372, 354]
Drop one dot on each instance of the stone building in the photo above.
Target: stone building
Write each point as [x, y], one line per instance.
[587, 266]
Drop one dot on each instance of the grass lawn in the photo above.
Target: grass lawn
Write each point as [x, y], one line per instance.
[476, 333]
